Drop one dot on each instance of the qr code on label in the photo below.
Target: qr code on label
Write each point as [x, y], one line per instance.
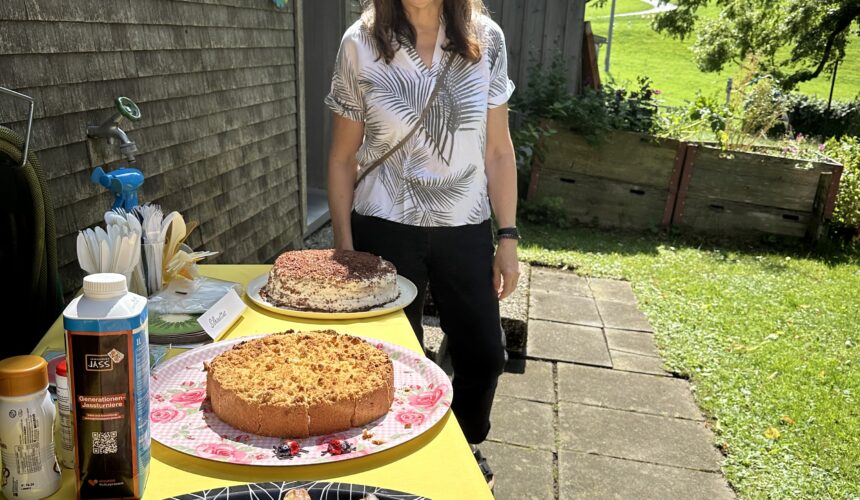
[104, 443]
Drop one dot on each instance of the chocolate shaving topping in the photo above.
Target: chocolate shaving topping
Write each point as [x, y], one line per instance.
[331, 265]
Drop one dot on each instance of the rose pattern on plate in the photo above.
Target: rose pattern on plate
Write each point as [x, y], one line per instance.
[222, 451]
[428, 399]
[182, 418]
[410, 418]
[191, 398]
[166, 415]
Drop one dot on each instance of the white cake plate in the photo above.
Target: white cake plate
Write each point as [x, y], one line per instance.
[408, 292]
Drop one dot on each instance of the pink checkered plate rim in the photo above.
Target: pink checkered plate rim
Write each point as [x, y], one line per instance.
[181, 418]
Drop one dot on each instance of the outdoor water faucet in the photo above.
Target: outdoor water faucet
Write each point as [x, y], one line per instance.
[126, 108]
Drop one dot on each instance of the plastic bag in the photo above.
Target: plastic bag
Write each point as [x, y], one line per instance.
[182, 296]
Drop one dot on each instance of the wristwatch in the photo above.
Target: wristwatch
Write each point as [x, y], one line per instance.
[509, 233]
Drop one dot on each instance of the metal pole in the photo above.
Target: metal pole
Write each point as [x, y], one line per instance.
[729, 84]
[29, 99]
[609, 38]
[832, 84]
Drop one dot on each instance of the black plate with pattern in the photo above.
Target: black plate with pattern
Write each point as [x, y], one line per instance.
[318, 490]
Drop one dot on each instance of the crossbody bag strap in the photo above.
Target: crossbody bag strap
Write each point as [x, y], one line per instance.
[417, 125]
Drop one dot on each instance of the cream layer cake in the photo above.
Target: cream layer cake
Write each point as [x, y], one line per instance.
[330, 281]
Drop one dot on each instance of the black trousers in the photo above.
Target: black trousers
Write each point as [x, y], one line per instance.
[457, 262]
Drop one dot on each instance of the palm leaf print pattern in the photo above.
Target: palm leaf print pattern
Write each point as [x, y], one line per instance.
[421, 199]
[397, 92]
[345, 82]
[437, 177]
[454, 109]
[495, 43]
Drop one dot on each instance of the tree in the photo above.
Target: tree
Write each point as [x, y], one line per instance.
[793, 40]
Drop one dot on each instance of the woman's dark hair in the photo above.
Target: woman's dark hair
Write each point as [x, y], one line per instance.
[387, 23]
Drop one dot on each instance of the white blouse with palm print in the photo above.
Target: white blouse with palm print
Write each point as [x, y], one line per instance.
[437, 178]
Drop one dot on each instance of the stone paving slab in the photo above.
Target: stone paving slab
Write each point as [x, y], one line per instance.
[597, 477]
[563, 308]
[520, 472]
[522, 422]
[627, 391]
[614, 290]
[623, 316]
[635, 436]
[632, 342]
[535, 382]
[626, 361]
[564, 342]
[544, 279]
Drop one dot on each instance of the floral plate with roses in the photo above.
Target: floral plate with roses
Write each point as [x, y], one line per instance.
[181, 418]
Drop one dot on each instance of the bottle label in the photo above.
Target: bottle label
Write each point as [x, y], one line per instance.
[27, 447]
[65, 413]
[109, 382]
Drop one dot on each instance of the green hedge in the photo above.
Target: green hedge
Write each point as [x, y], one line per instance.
[809, 116]
[846, 216]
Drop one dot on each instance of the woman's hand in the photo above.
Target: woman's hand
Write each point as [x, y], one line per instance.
[506, 268]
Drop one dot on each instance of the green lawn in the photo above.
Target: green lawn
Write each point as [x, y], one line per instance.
[621, 7]
[769, 339]
[639, 50]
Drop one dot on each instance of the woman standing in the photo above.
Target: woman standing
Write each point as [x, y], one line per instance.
[421, 153]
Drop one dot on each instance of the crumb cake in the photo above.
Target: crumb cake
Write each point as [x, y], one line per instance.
[299, 384]
[330, 281]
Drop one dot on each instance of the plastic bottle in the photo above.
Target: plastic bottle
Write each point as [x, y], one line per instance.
[30, 468]
[67, 447]
[107, 350]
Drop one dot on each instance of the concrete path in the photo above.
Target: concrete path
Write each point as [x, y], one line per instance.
[590, 413]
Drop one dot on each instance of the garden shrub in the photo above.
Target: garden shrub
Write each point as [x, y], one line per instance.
[846, 215]
[809, 115]
[548, 211]
[754, 110]
[546, 102]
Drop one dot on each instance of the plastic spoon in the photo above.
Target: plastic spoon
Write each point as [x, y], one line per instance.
[114, 241]
[120, 257]
[85, 257]
[93, 245]
[137, 280]
[113, 218]
[167, 223]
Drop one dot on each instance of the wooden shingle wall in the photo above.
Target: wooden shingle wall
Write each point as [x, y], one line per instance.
[216, 83]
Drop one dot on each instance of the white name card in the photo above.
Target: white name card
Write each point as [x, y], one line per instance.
[220, 317]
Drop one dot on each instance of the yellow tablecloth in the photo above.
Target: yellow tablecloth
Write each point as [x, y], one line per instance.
[438, 464]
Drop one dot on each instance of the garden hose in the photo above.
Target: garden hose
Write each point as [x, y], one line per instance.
[28, 249]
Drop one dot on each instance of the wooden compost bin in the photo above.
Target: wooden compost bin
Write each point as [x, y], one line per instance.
[628, 180]
[636, 181]
[740, 193]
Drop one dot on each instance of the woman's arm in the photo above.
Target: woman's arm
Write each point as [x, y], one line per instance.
[347, 136]
[501, 170]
